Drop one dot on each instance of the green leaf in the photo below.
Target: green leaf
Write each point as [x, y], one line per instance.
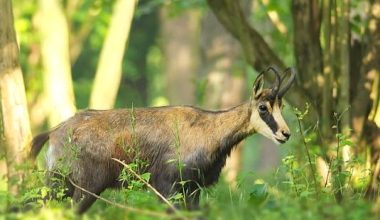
[146, 176]
[347, 143]
[44, 192]
[305, 194]
[258, 193]
[183, 182]
[177, 196]
[342, 177]
[288, 159]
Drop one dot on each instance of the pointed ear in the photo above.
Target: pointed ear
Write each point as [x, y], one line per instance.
[258, 85]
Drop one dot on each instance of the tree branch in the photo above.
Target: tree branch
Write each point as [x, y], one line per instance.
[256, 50]
[118, 205]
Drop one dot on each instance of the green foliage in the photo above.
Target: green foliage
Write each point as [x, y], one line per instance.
[258, 194]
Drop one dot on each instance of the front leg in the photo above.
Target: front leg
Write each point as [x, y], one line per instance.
[168, 183]
[192, 200]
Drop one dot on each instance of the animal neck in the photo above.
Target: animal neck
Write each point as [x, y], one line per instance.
[231, 127]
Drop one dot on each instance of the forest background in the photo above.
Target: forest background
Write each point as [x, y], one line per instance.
[58, 57]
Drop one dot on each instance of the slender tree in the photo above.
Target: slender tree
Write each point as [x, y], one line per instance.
[58, 85]
[15, 132]
[108, 74]
[368, 96]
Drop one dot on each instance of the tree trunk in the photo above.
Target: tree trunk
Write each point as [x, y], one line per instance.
[343, 68]
[179, 42]
[15, 132]
[108, 74]
[55, 54]
[328, 68]
[308, 51]
[363, 100]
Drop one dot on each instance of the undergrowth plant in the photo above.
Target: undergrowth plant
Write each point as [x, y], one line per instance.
[300, 116]
[303, 179]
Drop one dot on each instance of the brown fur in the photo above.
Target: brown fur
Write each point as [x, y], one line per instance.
[201, 139]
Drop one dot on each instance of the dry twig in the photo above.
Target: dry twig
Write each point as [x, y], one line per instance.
[147, 184]
[127, 208]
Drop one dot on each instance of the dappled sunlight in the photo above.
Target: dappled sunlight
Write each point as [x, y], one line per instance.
[273, 15]
[371, 75]
[277, 22]
[368, 58]
[376, 10]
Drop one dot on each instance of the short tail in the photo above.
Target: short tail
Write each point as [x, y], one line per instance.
[37, 144]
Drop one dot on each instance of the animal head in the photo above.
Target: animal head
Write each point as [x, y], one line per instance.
[266, 105]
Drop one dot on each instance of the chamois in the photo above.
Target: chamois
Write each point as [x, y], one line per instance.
[200, 139]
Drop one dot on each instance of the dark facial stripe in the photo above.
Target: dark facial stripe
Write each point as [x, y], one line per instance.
[269, 120]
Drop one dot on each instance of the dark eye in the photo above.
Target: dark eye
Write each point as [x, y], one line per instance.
[263, 108]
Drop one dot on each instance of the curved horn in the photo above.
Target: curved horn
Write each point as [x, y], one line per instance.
[289, 83]
[259, 83]
[276, 85]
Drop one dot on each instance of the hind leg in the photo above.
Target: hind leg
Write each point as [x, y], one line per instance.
[91, 180]
[192, 200]
[85, 200]
[57, 182]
